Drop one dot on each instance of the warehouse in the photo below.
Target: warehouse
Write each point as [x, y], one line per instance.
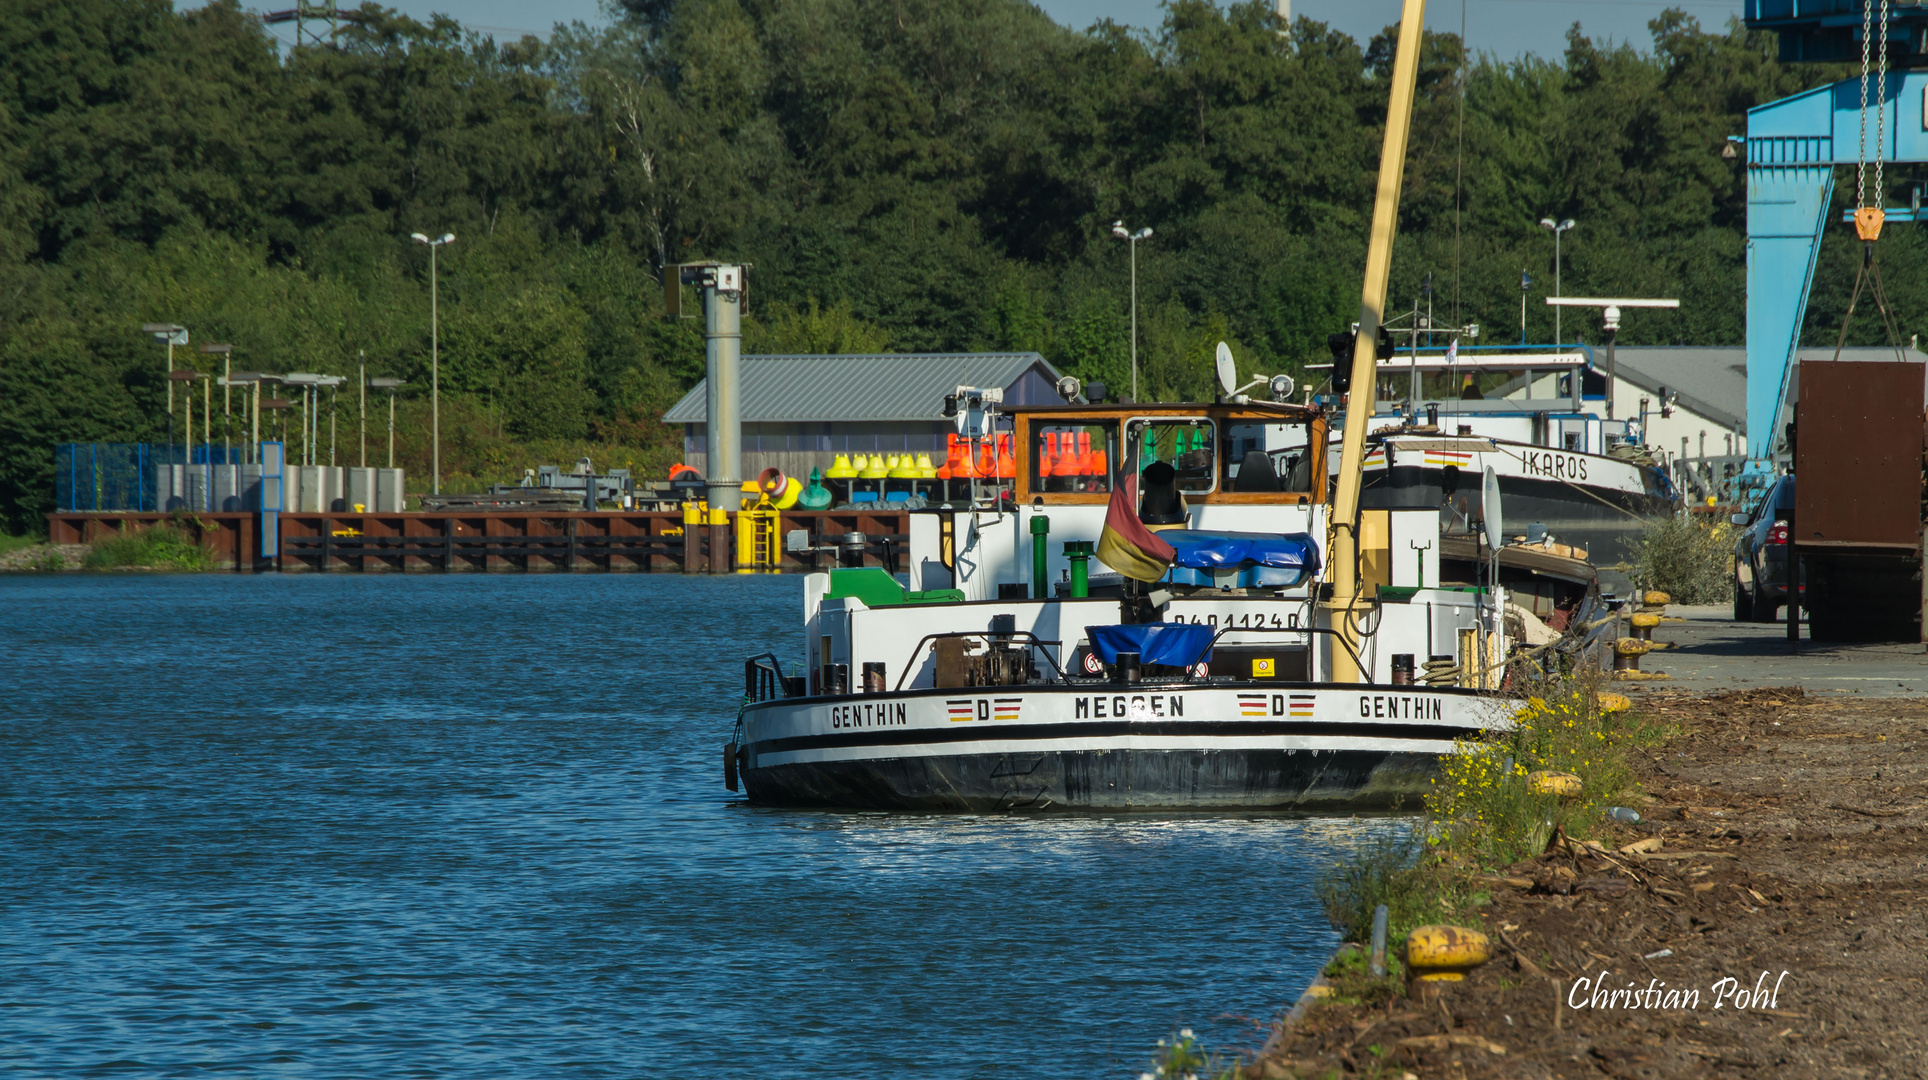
[800, 412]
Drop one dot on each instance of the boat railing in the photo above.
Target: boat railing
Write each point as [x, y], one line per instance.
[764, 680]
[1034, 642]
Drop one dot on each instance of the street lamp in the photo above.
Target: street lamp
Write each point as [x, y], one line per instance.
[1118, 230]
[226, 353]
[253, 380]
[389, 385]
[434, 356]
[306, 380]
[170, 335]
[331, 382]
[1558, 228]
[1525, 284]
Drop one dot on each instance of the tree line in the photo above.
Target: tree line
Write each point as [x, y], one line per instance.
[902, 176]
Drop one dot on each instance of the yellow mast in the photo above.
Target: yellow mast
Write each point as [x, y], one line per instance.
[1344, 546]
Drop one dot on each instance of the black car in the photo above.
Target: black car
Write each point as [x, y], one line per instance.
[1760, 555]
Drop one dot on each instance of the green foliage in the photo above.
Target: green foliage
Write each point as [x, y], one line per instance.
[1689, 557]
[1393, 868]
[1482, 803]
[937, 176]
[159, 547]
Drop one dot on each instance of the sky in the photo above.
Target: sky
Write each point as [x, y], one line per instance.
[1504, 28]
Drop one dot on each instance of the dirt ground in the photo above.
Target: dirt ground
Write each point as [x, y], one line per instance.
[1792, 840]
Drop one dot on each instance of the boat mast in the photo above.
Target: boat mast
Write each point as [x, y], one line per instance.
[1344, 544]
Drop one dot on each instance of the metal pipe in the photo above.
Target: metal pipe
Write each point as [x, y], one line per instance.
[1344, 546]
[1079, 552]
[1040, 557]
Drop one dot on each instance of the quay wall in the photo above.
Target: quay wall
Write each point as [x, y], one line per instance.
[494, 541]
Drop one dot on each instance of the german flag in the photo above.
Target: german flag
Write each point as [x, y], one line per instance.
[1126, 545]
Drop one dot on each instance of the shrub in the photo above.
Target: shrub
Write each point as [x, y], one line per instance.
[162, 547]
[1689, 558]
[1481, 803]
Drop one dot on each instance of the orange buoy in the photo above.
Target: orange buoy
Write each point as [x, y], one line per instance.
[1047, 452]
[1007, 465]
[1066, 464]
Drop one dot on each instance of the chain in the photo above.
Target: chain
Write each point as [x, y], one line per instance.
[1881, 108]
[1861, 157]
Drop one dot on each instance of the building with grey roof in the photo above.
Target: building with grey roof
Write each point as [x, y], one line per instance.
[1710, 413]
[800, 411]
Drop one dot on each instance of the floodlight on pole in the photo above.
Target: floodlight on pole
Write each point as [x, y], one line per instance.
[390, 385]
[226, 353]
[170, 335]
[1131, 238]
[1558, 227]
[332, 382]
[434, 356]
[1610, 321]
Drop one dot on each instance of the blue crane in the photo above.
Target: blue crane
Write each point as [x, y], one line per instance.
[1793, 148]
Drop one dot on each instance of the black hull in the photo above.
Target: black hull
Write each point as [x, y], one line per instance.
[1605, 521]
[1251, 779]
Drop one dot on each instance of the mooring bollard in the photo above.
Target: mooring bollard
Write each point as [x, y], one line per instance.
[1379, 917]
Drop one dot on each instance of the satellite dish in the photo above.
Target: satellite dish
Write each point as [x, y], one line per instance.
[1489, 499]
[1227, 371]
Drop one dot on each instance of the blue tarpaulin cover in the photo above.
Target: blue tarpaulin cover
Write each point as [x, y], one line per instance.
[1175, 643]
[1199, 550]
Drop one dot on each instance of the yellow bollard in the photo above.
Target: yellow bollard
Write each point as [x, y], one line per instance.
[1445, 953]
[1548, 782]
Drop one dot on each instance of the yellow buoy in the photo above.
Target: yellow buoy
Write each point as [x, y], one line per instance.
[903, 468]
[840, 469]
[874, 468]
[1611, 702]
[1548, 782]
[792, 491]
[926, 470]
[1445, 953]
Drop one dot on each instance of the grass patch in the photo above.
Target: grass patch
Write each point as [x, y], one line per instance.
[1482, 816]
[1688, 557]
[10, 543]
[161, 547]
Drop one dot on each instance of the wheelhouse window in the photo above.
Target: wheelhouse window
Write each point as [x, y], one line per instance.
[1073, 457]
[1187, 445]
[1266, 458]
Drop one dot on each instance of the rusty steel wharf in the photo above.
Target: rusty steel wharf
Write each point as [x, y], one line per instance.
[486, 542]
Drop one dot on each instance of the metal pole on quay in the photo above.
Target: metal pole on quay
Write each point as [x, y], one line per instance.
[724, 286]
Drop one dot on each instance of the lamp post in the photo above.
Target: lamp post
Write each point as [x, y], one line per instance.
[389, 385]
[252, 380]
[1118, 230]
[170, 335]
[331, 382]
[1525, 284]
[1558, 228]
[306, 381]
[434, 357]
[361, 390]
[226, 353]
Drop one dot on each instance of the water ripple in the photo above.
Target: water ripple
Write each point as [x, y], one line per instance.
[464, 827]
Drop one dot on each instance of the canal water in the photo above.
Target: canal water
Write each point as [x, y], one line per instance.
[467, 827]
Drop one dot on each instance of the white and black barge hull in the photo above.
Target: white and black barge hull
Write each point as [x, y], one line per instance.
[1180, 746]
